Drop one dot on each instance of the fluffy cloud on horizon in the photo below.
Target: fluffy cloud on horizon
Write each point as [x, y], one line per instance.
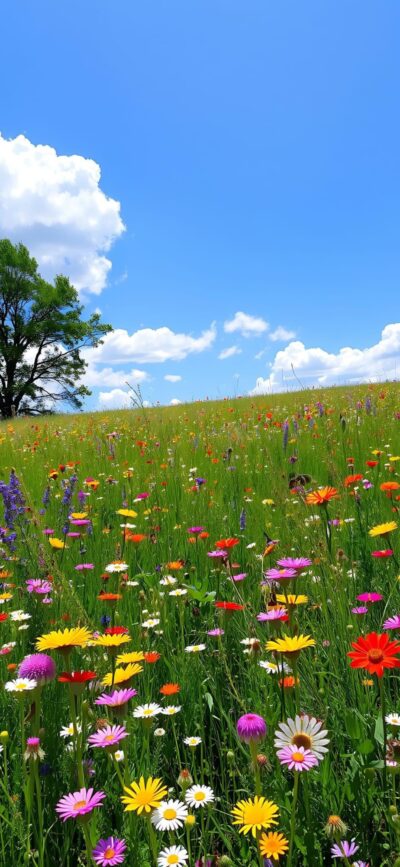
[315, 365]
[149, 346]
[246, 325]
[54, 205]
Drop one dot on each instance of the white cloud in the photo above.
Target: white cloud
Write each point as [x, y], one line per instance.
[317, 366]
[109, 377]
[149, 345]
[172, 377]
[227, 353]
[117, 398]
[247, 325]
[175, 401]
[281, 333]
[54, 205]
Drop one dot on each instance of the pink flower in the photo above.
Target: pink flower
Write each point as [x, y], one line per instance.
[110, 851]
[38, 585]
[392, 622]
[387, 552]
[79, 803]
[108, 737]
[118, 698]
[83, 566]
[216, 633]
[294, 562]
[251, 727]
[274, 614]
[239, 577]
[297, 758]
[39, 667]
[360, 609]
[280, 574]
[370, 597]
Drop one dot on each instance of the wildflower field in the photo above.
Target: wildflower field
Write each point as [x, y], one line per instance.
[200, 634]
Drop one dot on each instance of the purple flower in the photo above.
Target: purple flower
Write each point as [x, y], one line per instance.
[280, 574]
[215, 633]
[217, 555]
[392, 622]
[297, 758]
[38, 585]
[39, 667]
[109, 852]
[344, 848]
[251, 728]
[195, 530]
[274, 614]
[118, 698]
[360, 609]
[294, 562]
[239, 577]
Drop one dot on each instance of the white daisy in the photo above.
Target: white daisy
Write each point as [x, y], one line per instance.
[169, 816]
[68, 731]
[192, 742]
[146, 711]
[171, 710]
[159, 733]
[393, 719]
[117, 567]
[168, 580]
[21, 684]
[150, 623]
[175, 855]
[195, 648]
[119, 755]
[20, 615]
[178, 592]
[198, 796]
[303, 731]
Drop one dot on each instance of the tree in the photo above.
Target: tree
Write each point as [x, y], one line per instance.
[42, 334]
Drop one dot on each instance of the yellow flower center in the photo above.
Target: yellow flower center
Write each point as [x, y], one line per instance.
[170, 814]
[109, 738]
[79, 804]
[21, 685]
[148, 712]
[199, 796]
[301, 740]
[173, 859]
[109, 853]
[298, 757]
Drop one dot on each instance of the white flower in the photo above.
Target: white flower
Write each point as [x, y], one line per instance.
[195, 648]
[68, 731]
[171, 710]
[117, 567]
[192, 742]
[169, 815]
[175, 855]
[150, 623]
[303, 731]
[198, 796]
[21, 684]
[145, 711]
[168, 580]
[119, 755]
[20, 615]
[132, 583]
[178, 592]
[393, 719]
[159, 733]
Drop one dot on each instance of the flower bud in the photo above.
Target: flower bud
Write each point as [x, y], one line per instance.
[335, 827]
[185, 779]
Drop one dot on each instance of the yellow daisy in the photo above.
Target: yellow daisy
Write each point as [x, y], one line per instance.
[292, 599]
[254, 815]
[383, 529]
[144, 796]
[64, 639]
[273, 844]
[122, 675]
[57, 543]
[127, 513]
[133, 656]
[290, 644]
[110, 641]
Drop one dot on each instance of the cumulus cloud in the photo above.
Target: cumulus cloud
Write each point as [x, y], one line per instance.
[175, 401]
[172, 377]
[282, 334]
[246, 325]
[317, 366]
[149, 346]
[54, 205]
[110, 377]
[227, 353]
[117, 398]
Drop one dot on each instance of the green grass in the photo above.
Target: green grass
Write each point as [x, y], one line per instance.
[161, 451]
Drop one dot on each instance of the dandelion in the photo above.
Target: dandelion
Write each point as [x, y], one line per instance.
[144, 796]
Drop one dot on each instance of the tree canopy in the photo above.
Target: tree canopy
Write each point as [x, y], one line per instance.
[42, 333]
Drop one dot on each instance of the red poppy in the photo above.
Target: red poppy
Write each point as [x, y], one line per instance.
[375, 652]
[3, 617]
[229, 606]
[387, 552]
[372, 463]
[135, 537]
[76, 676]
[152, 656]
[225, 544]
[116, 630]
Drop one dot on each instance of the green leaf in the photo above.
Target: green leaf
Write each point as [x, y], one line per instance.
[366, 747]
[378, 734]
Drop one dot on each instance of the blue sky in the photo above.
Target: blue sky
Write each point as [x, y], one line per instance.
[254, 150]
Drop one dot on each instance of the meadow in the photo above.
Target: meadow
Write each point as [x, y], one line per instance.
[180, 592]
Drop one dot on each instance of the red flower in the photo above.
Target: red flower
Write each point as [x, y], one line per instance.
[375, 652]
[3, 617]
[225, 544]
[229, 606]
[352, 480]
[76, 676]
[170, 689]
[152, 656]
[387, 552]
[116, 630]
[372, 463]
[109, 597]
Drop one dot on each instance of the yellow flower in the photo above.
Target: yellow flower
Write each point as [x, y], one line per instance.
[383, 529]
[122, 675]
[268, 502]
[144, 796]
[110, 641]
[5, 596]
[254, 815]
[292, 599]
[290, 644]
[64, 639]
[57, 543]
[273, 844]
[133, 656]
[127, 513]
[394, 458]
[78, 516]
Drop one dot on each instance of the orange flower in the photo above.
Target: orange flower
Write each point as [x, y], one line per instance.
[170, 689]
[225, 544]
[352, 480]
[389, 487]
[135, 537]
[152, 656]
[174, 565]
[288, 682]
[109, 597]
[375, 652]
[321, 496]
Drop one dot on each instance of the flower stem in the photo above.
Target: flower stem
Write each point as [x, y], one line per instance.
[293, 817]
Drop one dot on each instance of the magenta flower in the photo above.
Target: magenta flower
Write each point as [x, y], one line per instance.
[360, 609]
[297, 563]
[109, 852]
[118, 698]
[344, 848]
[274, 614]
[280, 574]
[79, 803]
[251, 728]
[108, 737]
[217, 555]
[194, 530]
[216, 633]
[38, 585]
[392, 622]
[370, 597]
[84, 566]
[297, 758]
[239, 577]
[39, 667]
[386, 552]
